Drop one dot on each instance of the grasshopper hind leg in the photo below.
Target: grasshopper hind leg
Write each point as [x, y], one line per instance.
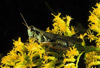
[54, 45]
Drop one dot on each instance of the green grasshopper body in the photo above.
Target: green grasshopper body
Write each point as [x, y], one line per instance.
[43, 36]
[54, 39]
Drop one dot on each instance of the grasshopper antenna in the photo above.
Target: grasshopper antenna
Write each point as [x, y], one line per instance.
[25, 23]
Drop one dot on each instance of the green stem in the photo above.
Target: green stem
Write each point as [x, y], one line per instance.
[90, 48]
[78, 59]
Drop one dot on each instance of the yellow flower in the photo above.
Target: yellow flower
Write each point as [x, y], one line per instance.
[94, 27]
[82, 37]
[49, 65]
[10, 59]
[48, 58]
[72, 30]
[34, 47]
[62, 26]
[93, 64]
[97, 41]
[5, 66]
[92, 59]
[97, 10]
[60, 22]
[20, 65]
[98, 44]
[55, 30]
[90, 35]
[70, 65]
[94, 19]
[69, 30]
[21, 56]
[72, 52]
[18, 45]
[98, 5]
[68, 18]
[71, 59]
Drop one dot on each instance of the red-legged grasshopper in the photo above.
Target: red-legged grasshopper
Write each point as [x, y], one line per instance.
[45, 38]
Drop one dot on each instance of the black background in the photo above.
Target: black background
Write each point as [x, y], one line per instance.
[37, 13]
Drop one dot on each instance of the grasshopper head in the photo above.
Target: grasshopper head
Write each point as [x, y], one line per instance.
[32, 31]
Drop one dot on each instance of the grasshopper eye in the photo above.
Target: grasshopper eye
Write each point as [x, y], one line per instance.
[34, 29]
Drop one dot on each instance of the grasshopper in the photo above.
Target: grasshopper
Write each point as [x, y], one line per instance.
[57, 41]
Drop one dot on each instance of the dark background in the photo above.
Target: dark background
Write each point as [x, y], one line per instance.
[37, 13]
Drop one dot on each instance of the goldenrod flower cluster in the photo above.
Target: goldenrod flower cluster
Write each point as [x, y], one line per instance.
[92, 58]
[32, 54]
[62, 26]
[94, 19]
[94, 24]
[21, 56]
